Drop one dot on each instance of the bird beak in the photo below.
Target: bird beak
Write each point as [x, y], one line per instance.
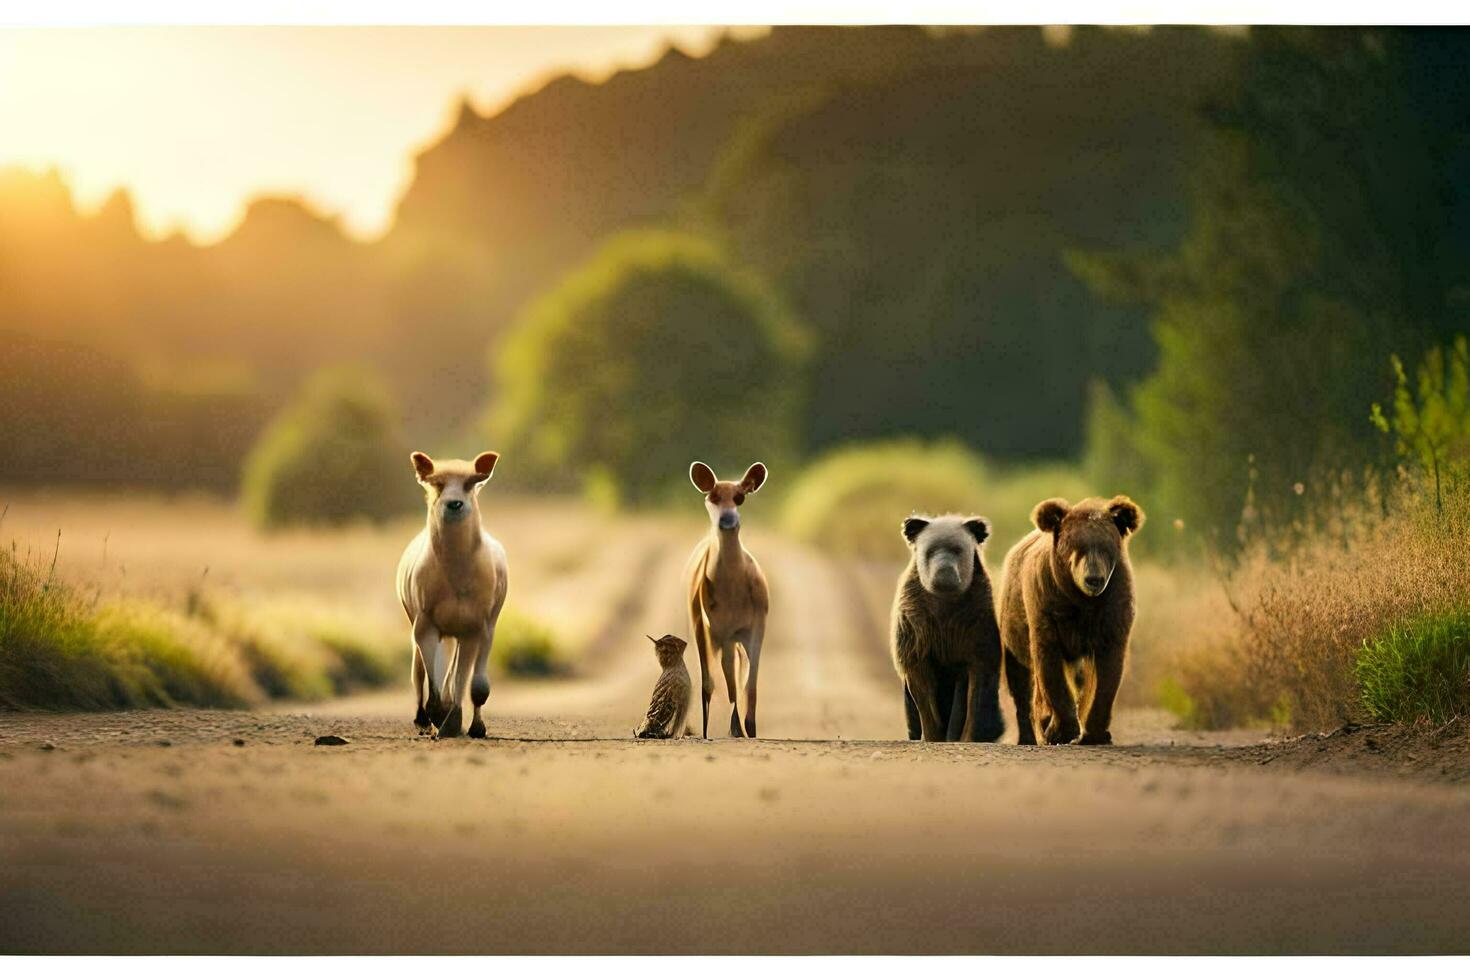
[650, 639]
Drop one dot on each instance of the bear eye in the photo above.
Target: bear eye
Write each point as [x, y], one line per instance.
[739, 499]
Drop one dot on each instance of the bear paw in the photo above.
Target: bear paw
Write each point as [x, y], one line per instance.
[1060, 732]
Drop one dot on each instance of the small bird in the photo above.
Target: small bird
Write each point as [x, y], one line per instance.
[670, 702]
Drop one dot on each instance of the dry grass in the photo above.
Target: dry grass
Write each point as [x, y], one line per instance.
[1285, 649]
[155, 600]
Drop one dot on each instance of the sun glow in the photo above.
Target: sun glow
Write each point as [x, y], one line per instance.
[196, 121]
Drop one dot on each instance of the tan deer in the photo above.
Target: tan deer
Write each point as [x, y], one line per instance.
[452, 583]
[728, 597]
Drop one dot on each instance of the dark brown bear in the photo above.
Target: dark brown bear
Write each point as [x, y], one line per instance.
[1066, 608]
[946, 644]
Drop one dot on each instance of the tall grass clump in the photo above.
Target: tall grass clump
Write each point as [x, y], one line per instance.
[60, 651]
[1419, 670]
[1358, 605]
[189, 663]
[304, 648]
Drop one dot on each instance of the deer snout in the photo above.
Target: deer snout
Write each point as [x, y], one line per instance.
[729, 520]
[454, 505]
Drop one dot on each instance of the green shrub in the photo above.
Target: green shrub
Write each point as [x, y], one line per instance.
[350, 652]
[655, 353]
[59, 652]
[50, 656]
[1419, 670]
[852, 500]
[188, 662]
[525, 647]
[282, 660]
[333, 456]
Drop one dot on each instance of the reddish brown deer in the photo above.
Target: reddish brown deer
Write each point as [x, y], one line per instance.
[728, 597]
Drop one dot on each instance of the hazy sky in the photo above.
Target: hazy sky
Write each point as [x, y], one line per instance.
[194, 121]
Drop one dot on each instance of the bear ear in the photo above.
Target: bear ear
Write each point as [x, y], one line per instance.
[422, 465]
[1049, 513]
[1126, 514]
[702, 477]
[979, 529]
[753, 478]
[913, 527]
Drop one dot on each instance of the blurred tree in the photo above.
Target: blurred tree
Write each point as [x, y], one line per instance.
[654, 353]
[333, 456]
[917, 219]
[1328, 230]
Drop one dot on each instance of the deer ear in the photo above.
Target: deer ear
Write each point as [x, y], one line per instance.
[485, 463]
[913, 527]
[753, 478]
[702, 477]
[1125, 514]
[1049, 513]
[422, 465]
[979, 529]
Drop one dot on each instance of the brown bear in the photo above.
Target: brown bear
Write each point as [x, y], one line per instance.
[1066, 609]
[946, 644]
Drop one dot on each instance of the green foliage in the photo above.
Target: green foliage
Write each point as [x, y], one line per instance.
[1318, 245]
[335, 455]
[1431, 420]
[929, 258]
[852, 500]
[655, 348]
[190, 663]
[1113, 457]
[283, 661]
[524, 647]
[1419, 670]
[58, 652]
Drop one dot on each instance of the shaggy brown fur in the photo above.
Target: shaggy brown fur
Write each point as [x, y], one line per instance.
[1066, 608]
[945, 643]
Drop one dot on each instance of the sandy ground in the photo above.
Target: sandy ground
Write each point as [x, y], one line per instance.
[231, 832]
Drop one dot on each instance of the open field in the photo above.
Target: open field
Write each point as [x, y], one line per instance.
[229, 831]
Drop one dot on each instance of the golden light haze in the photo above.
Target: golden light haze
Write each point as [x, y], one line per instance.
[195, 121]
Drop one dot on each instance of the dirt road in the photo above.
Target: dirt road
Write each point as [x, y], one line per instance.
[231, 832]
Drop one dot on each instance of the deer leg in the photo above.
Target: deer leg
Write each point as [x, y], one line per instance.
[430, 647]
[480, 684]
[420, 681]
[732, 687]
[752, 646]
[706, 681]
[465, 651]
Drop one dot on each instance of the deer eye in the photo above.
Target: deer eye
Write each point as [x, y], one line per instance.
[739, 499]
